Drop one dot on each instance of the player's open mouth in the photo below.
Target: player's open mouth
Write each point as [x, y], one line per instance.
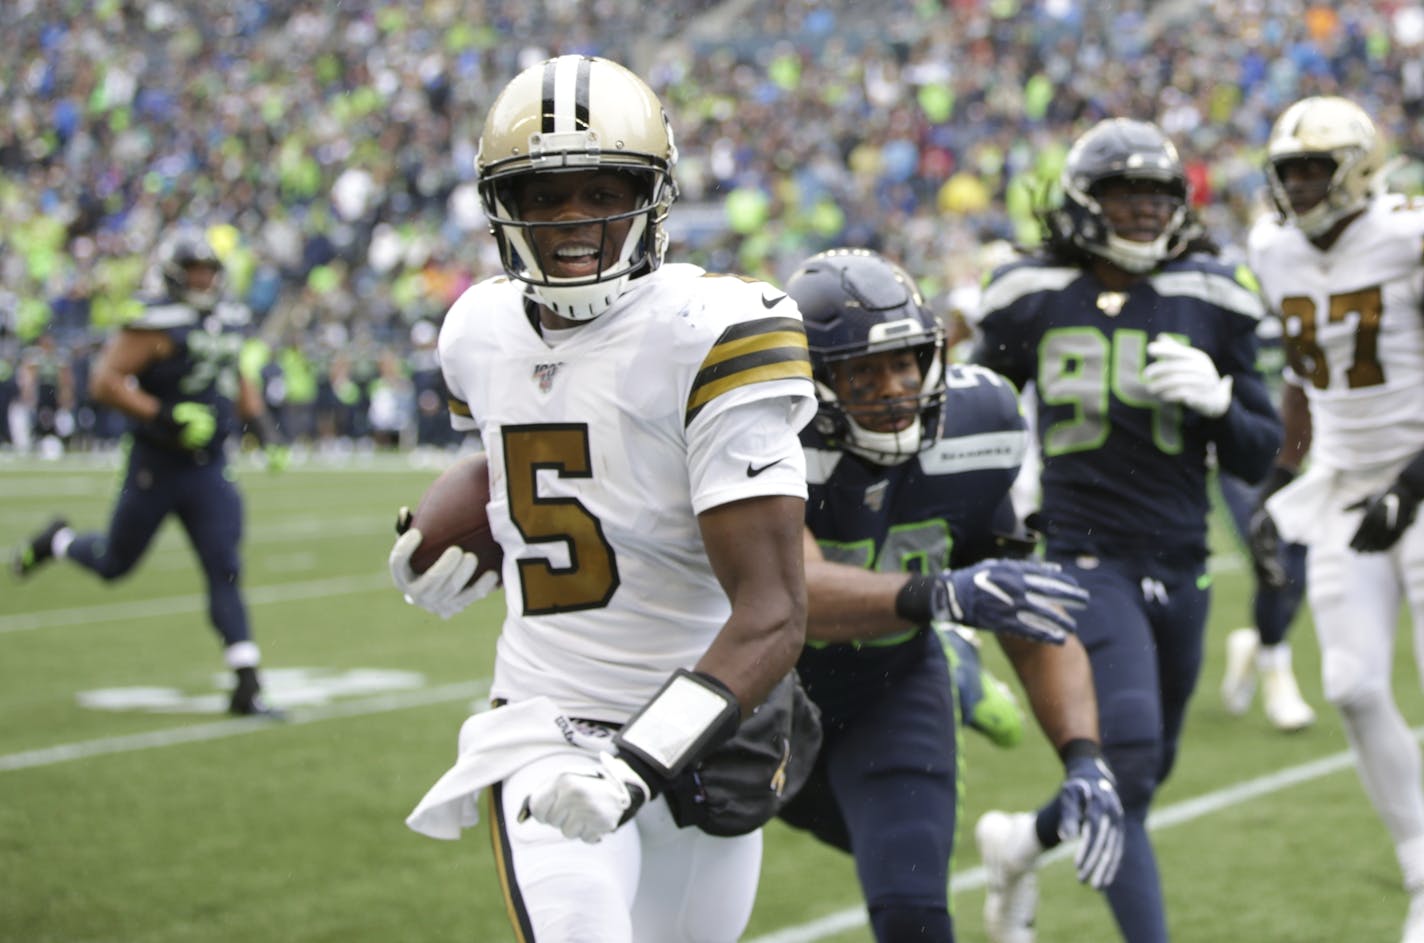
[575, 260]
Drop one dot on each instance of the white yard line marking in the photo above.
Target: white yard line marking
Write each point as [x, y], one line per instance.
[170, 605]
[1175, 814]
[218, 730]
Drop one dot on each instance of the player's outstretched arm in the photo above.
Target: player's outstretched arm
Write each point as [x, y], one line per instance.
[1058, 681]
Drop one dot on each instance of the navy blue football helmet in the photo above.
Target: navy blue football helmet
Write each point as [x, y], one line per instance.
[181, 250]
[855, 302]
[1112, 149]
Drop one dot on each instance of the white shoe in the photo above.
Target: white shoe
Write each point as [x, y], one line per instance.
[1285, 708]
[1009, 849]
[1414, 923]
[1238, 685]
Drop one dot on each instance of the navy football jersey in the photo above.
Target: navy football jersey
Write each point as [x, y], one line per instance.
[1124, 472]
[943, 507]
[203, 369]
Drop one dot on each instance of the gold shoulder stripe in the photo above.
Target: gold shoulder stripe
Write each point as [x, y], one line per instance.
[750, 352]
[459, 408]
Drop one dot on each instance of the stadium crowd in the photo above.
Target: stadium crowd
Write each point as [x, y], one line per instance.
[330, 151]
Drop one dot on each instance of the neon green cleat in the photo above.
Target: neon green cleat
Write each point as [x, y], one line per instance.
[986, 704]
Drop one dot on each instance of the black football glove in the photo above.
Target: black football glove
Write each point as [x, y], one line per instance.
[1387, 517]
[1263, 541]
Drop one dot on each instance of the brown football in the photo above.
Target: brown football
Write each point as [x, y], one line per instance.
[452, 513]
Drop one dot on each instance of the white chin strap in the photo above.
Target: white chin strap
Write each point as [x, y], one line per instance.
[203, 300]
[579, 302]
[883, 448]
[1317, 220]
[582, 300]
[1136, 257]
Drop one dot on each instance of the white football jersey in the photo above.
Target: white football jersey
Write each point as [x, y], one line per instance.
[1353, 329]
[605, 442]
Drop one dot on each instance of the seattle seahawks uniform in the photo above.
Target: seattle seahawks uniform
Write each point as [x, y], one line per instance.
[1124, 492]
[165, 478]
[884, 703]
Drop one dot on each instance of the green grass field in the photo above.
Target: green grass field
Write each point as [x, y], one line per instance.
[132, 809]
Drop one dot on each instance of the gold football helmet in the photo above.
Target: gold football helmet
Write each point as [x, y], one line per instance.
[1333, 128]
[577, 113]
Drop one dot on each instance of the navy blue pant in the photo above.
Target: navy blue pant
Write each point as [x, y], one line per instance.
[885, 786]
[1144, 629]
[156, 484]
[1273, 609]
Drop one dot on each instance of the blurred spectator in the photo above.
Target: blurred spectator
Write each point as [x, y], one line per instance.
[335, 144]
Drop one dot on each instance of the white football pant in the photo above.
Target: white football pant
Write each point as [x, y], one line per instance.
[648, 882]
[1355, 600]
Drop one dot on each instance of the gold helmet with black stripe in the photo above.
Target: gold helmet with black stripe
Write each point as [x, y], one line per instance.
[1328, 128]
[569, 114]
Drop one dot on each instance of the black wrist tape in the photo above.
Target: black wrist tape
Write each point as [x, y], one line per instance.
[1079, 747]
[914, 601]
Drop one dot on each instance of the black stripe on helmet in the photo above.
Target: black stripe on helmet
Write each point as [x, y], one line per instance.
[546, 107]
[585, 66]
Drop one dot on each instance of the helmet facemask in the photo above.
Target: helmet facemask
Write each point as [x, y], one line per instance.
[565, 115]
[856, 303]
[837, 420]
[1119, 149]
[584, 297]
[1130, 255]
[178, 255]
[1334, 129]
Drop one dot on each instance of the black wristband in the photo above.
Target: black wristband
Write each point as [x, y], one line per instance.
[651, 778]
[915, 600]
[1077, 748]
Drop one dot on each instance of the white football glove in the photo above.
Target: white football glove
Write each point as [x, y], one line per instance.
[440, 589]
[588, 806]
[1183, 374]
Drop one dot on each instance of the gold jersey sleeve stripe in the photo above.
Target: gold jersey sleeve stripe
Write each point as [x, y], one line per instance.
[459, 407]
[750, 352]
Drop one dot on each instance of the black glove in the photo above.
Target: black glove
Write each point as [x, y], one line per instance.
[1262, 539]
[1387, 517]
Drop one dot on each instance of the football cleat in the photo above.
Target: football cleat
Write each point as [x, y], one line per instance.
[1285, 708]
[1238, 685]
[38, 550]
[986, 704]
[247, 699]
[1009, 849]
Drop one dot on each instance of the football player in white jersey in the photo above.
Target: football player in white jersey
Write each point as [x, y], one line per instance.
[1344, 267]
[647, 488]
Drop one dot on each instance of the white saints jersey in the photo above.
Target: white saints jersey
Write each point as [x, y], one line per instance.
[605, 442]
[1353, 329]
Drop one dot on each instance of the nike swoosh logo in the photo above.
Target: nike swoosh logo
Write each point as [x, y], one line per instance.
[772, 302]
[753, 471]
